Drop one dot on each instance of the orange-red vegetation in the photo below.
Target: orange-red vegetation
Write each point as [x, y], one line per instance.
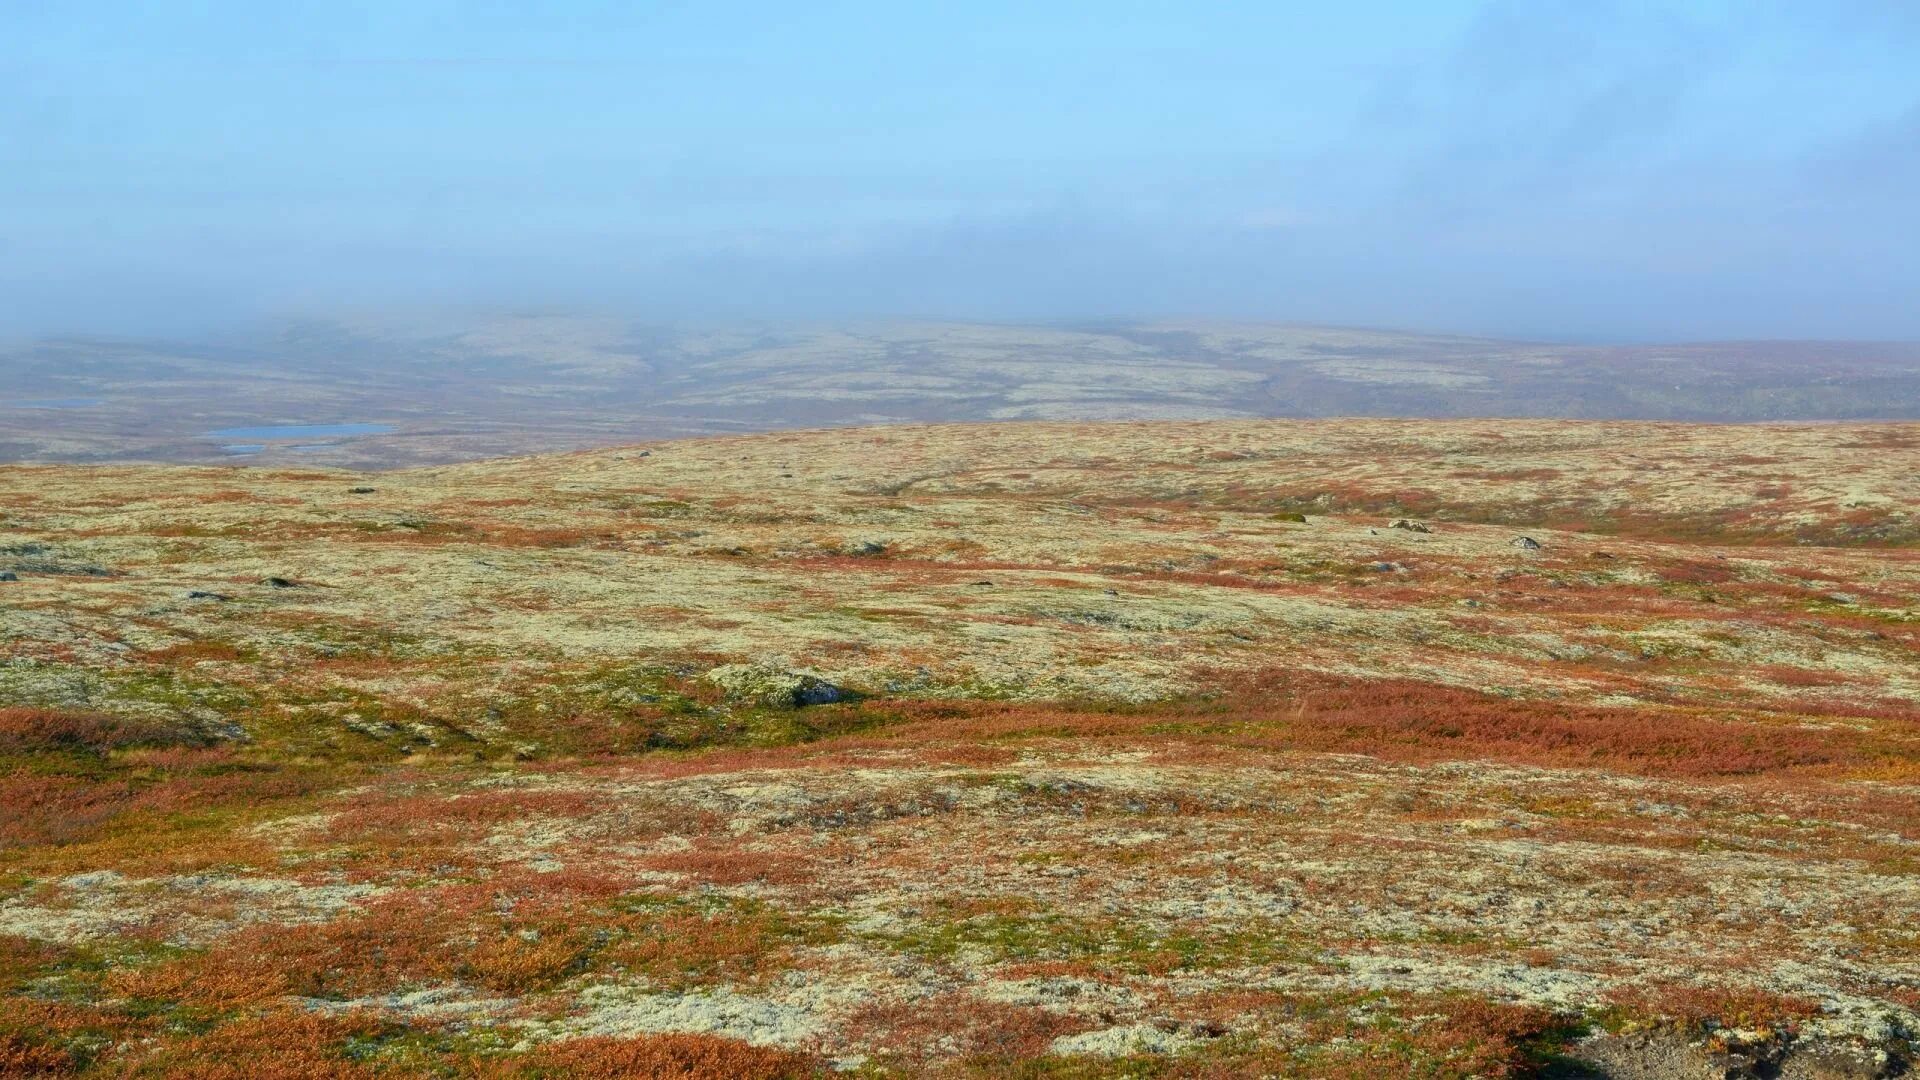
[961, 1025]
[732, 866]
[1404, 719]
[276, 1045]
[656, 1057]
[1739, 1007]
[28, 731]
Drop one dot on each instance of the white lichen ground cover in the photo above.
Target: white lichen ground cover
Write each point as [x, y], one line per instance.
[936, 748]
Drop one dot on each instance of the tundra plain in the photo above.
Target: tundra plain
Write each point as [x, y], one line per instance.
[463, 386]
[1341, 748]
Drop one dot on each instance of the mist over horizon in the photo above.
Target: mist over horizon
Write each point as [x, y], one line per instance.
[1603, 173]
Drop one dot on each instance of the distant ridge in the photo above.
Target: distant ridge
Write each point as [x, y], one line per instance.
[463, 387]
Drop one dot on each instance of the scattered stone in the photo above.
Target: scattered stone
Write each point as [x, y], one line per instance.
[45, 566]
[1841, 1060]
[1526, 543]
[202, 594]
[29, 561]
[984, 584]
[870, 547]
[8, 575]
[1649, 1055]
[1410, 526]
[361, 490]
[1670, 1054]
[774, 688]
[280, 583]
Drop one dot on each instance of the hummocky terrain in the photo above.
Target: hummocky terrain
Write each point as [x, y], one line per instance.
[459, 388]
[1224, 748]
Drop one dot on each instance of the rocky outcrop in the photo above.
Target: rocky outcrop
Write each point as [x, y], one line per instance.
[773, 687]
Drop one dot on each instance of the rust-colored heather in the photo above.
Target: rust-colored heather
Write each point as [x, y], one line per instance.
[724, 866]
[63, 809]
[511, 964]
[1405, 719]
[56, 809]
[27, 731]
[655, 1057]
[1736, 1006]
[1458, 1036]
[194, 652]
[22, 1057]
[277, 1045]
[392, 942]
[671, 948]
[513, 933]
[961, 1025]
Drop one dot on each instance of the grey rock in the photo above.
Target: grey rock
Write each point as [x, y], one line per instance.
[43, 566]
[774, 688]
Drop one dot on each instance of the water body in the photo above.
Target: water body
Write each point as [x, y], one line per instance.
[61, 403]
[299, 431]
[244, 448]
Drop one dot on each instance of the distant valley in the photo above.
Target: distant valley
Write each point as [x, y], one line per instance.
[377, 393]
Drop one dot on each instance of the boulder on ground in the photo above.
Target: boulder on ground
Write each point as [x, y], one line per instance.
[773, 687]
[1526, 543]
[1410, 526]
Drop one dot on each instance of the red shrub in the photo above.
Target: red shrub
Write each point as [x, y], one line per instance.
[658, 1057]
[27, 731]
[281, 1045]
[1743, 1007]
[962, 1025]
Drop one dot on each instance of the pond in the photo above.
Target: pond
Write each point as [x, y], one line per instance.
[299, 431]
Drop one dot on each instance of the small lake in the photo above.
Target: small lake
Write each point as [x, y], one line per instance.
[299, 431]
[61, 403]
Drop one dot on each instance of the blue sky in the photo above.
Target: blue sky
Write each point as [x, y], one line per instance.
[1557, 169]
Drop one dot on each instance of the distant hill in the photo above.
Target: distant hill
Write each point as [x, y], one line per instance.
[458, 388]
